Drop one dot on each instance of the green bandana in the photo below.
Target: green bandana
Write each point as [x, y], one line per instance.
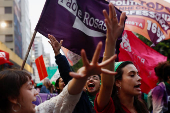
[117, 64]
[91, 98]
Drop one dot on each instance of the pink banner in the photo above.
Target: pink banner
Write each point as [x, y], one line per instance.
[150, 19]
[143, 57]
[72, 58]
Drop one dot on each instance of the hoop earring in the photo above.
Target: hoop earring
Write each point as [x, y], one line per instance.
[118, 91]
[18, 109]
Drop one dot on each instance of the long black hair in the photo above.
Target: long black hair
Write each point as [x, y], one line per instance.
[138, 104]
[57, 85]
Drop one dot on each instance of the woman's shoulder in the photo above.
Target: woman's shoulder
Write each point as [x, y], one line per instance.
[110, 108]
[159, 88]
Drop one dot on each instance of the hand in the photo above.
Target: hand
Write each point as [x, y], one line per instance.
[114, 29]
[55, 44]
[93, 68]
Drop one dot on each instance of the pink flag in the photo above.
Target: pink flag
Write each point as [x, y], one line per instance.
[143, 57]
[72, 58]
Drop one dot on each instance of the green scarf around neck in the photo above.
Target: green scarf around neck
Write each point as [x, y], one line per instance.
[91, 98]
[167, 85]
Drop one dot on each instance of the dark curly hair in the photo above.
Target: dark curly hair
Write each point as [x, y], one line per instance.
[162, 71]
[11, 81]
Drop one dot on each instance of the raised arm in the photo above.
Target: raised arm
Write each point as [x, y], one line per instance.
[60, 59]
[94, 68]
[70, 95]
[114, 30]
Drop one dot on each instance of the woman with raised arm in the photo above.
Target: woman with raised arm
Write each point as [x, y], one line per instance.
[92, 87]
[17, 93]
[118, 94]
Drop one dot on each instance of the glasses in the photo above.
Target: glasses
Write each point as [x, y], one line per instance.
[95, 77]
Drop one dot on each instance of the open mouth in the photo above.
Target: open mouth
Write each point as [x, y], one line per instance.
[91, 86]
[33, 103]
[137, 86]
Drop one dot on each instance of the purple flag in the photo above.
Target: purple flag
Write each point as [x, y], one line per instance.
[79, 23]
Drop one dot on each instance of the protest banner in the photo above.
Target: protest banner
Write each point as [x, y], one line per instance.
[72, 58]
[157, 5]
[79, 23]
[152, 24]
[144, 58]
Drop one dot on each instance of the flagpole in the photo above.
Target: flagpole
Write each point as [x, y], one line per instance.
[32, 40]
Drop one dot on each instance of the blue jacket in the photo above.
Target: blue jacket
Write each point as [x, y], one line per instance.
[44, 90]
[84, 105]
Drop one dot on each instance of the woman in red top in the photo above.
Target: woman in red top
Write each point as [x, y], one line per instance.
[119, 93]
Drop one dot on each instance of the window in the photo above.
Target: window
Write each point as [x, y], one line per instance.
[8, 38]
[8, 10]
[9, 23]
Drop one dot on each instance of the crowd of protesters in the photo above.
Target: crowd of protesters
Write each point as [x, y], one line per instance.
[106, 87]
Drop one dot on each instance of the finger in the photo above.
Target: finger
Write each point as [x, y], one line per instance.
[105, 71]
[84, 58]
[107, 26]
[106, 62]
[76, 75]
[122, 19]
[114, 13]
[97, 53]
[61, 41]
[49, 36]
[110, 11]
[52, 45]
[106, 15]
[113, 10]
[53, 38]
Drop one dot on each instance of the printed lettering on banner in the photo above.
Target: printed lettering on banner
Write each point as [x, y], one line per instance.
[82, 21]
[2, 54]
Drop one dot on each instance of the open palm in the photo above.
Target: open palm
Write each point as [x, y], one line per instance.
[94, 67]
[55, 44]
[114, 29]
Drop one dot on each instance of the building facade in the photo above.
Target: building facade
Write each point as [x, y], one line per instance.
[38, 47]
[14, 28]
[10, 21]
[47, 60]
[26, 29]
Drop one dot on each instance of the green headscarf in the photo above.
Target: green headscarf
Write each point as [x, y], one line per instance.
[117, 64]
[53, 83]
